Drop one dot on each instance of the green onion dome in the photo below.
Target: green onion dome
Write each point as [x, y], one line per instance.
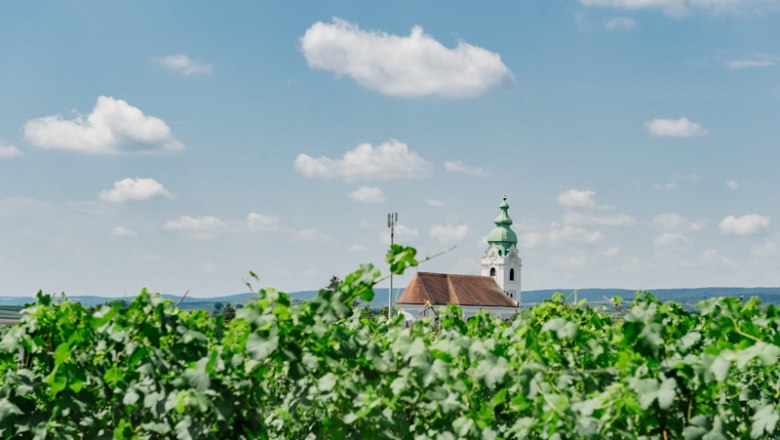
[502, 235]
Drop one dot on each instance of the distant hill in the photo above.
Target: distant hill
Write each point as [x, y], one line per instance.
[684, 296]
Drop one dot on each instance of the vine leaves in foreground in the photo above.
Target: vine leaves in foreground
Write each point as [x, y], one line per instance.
[326, 368]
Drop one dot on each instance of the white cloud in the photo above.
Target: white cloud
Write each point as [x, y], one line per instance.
[610, 252]
[209, 268]
[403, 234]
[408, 66]
[575, 198]
[670, 7]
[435, 203]
[113, 127]
[713, 256]
[308, 235]
[261, 223]
[573, 234]
[676, 181]
[665, 186]
[618, 23]
[527, 240]
[390, 160]
[8, 151]
[731, 184]
[679, 8]
[367, 194]
[406, 231]
[139, 189]
[746, 225]
[673, 221]
[460, 167]
[672, 240]
[256, 222]
[570, 260]
[449, 233]
[579, 218]
[694, 178]
[757, 60]
[766, 249]
[121, 231]
[358, 248]
[184, 65]
[675, 128]
[368, 225]
[28, 207]
[200, 227]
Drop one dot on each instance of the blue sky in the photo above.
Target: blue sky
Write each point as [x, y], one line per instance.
[178, 145]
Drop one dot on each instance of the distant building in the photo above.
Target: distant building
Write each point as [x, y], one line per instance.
[496, 291]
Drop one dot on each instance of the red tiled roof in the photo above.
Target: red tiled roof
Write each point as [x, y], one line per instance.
[464, 290]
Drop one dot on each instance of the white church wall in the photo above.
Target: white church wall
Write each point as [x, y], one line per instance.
[411, 312]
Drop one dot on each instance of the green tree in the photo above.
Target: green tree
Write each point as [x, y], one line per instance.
[228, 312]
[333, 284]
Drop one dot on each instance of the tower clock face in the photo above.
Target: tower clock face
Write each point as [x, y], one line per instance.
[513, 253]
[492, 253]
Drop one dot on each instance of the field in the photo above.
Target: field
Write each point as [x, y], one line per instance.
[324, 368]
[9, 314]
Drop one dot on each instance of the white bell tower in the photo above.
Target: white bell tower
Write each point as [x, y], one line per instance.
[502, 259]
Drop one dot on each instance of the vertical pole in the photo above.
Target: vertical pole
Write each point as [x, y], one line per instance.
[392, 218]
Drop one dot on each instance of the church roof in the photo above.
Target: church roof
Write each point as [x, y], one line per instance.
[464, 290]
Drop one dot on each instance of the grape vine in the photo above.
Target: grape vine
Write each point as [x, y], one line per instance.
[326, 369]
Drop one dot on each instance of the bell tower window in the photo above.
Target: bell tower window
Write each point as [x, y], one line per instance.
[511, 274]
[492, 271]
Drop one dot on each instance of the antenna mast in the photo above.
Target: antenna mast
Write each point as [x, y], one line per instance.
[392, 219]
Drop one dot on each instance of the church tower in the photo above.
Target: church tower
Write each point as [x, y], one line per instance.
[502, 260]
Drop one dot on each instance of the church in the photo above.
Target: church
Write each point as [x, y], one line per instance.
[497, 290]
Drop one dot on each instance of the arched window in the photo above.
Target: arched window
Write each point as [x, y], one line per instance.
[511, 274]
[492, 271]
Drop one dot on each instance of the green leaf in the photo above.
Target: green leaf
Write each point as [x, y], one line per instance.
[562, 328]
[764, 421]
[181, 401]
[61, 353]
[401, 257]
[131, 397]
[646, 391]
[57, 381]
[123, 430]
[260, 347]
[113, 375]
[350, 418]
[492, 370]
[8, 409]
[326, 382]
[666, 393]
[720, 368]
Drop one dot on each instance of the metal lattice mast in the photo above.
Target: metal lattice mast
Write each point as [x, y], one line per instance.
[392, 219]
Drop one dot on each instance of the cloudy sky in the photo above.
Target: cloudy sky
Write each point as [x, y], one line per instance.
[177, 145]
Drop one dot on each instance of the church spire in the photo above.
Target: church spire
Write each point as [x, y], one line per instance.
[502, 260]
[502, 235]
[503, 218]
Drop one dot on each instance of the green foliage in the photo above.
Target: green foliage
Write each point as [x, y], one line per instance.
[227, 312]
[324, 369]
[333, 284]
[400, 258]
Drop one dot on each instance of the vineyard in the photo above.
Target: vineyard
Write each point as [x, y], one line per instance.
[327, 369]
